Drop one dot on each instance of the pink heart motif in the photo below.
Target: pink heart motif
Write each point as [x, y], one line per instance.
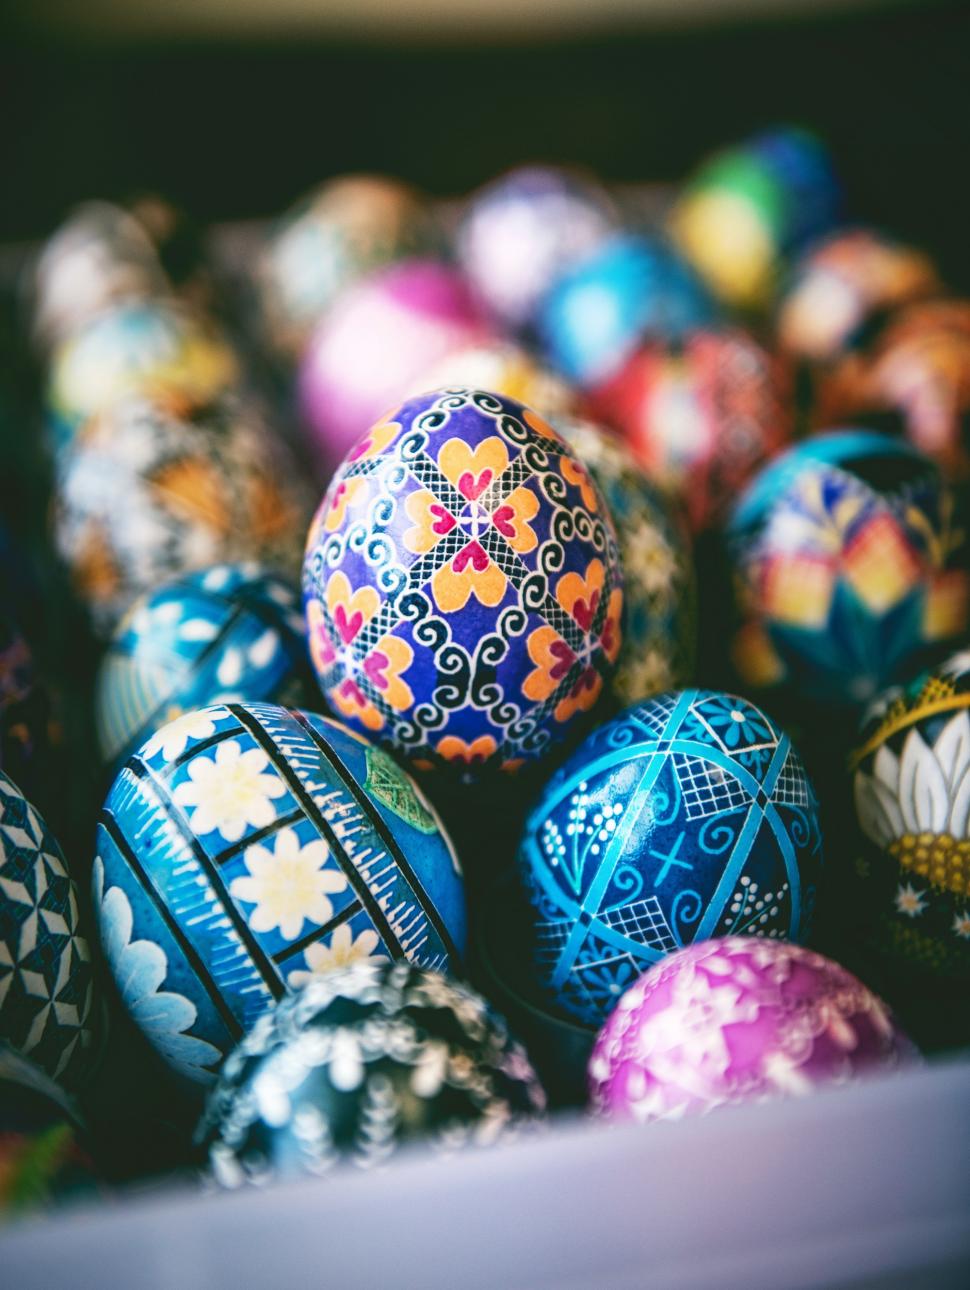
[347, 627]
[472, 488]
[473, 554]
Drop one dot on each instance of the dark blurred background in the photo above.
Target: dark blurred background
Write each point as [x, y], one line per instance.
[235, 113]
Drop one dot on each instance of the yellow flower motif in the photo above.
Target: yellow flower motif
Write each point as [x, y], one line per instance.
[229, 792]
[344, 948]
[289, 885]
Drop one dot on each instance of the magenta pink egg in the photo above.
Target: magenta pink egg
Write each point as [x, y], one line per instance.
[374, 344]
[734, 1020]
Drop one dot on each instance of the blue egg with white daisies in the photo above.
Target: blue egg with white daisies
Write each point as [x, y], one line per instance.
[230, 632]
[689, 816]
[247, 847]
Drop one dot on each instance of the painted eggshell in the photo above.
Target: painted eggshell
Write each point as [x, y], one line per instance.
[138, 348]
[505, 368]
[688, 816]
[659, 614]
[99, 257]
[247, 847]
[844, 282]
[912, 796]
[594, 316]
[701, 414]
[374, 344]
[43, 1157]
[146, 493]
[849, 569]
[359, 1063]
[738, 1020]
[225, 634]
[47, 1002]
[462, 585]
[914, 378]
[342, 230]
[747, 205]
[523, 230]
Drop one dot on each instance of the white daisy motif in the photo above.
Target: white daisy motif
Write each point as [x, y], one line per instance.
[172, 740]
[344, 948]
[230, 792]
[289, 885]
[909, 901]
[961, 925]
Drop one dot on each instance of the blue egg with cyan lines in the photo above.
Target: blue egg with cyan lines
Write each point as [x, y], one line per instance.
[688, 817]
[247, 847]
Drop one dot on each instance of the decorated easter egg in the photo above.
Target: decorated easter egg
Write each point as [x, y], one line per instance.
[523, 230]
[849, 568]
[659, 614]
[224, 634]
[43, 1154]
[359, 1063]
[506, 369]
[245, 848]
[914, 377]
[594, 316]
[688, 816]
[374, 344]
[143, 348]
[701, 414]
[912, 794]
[99, 257]
[747, 205]
[145, 493]
[738, 1020]
[47, 1006]
[462, 585]
[842, 284]
[343, 229]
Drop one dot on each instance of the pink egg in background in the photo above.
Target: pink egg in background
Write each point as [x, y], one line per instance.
[734, 1020]
[376, 341]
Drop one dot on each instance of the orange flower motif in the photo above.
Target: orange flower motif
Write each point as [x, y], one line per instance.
[452, 748]
[471, 572]
[512, 518]
[347, 494]
[375, 440]
[472, 471]
[541, 427]
[432, 520]
[555, 659]
[574, 472]
[349, 609]
[383, 667]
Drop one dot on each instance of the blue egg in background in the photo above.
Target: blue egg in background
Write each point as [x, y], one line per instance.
[690, 816]
[247, 847]
[631, 287]
[230, 632]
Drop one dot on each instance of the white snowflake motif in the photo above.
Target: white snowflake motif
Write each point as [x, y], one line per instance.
[909, 901]
[344, 948]
[961, 925]
[289, 885]
[230, 791]
[173, 738]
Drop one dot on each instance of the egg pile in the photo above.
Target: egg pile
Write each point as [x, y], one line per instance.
[567, 612]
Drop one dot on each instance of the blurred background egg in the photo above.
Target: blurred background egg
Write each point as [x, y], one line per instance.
[143, 348]
[849, 567]
[739, 1020]
[462, 586]
[505, 368]
[228, 633]
[244, 849]
[25, 714]
[342, 230]
[686, 817]
[521, 231]
[147, 491]
[659, 593]
[701, 413]
[593, 315]
[912, 795]
[359, 1063]
[381, 335]
[47, 988]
